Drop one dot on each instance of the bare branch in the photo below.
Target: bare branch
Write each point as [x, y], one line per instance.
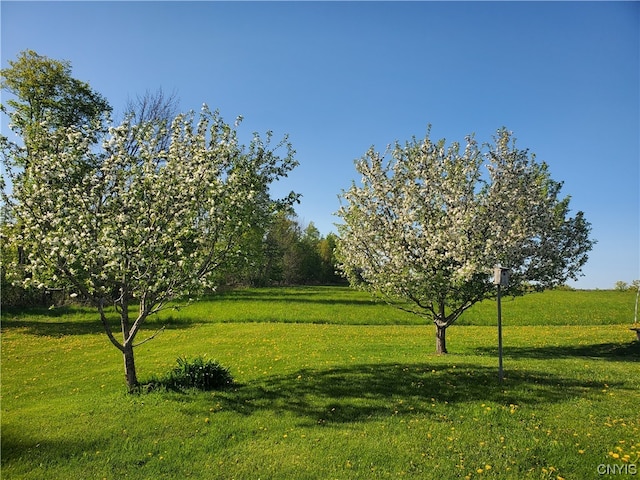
[150, 338]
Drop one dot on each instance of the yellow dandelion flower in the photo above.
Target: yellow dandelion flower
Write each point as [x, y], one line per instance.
[479, 470]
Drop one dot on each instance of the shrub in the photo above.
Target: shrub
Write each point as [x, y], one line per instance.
[197, 373]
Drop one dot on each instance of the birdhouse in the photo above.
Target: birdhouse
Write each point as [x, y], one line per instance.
[501, 276]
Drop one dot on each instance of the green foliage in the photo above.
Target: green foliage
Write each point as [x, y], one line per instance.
[199, 373]
[285, 253]
[47, 98]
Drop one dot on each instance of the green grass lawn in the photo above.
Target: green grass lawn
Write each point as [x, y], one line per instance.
[347, 307]
[329, 385]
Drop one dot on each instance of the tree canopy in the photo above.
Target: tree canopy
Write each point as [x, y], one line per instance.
[425, 228]
[46, 95]
[147, 216]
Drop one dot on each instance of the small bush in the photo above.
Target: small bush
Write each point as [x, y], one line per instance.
[197, 373]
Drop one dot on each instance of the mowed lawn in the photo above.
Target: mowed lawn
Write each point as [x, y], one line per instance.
[329, 385]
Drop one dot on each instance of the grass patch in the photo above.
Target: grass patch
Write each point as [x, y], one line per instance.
[558, 307]
[343, 306]
[319, 400]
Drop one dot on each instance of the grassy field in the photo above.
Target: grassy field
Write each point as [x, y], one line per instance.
[329, 385]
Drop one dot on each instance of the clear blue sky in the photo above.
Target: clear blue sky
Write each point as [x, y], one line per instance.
[340, 77]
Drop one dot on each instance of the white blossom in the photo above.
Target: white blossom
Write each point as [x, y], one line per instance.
[424, 229]
[145, 227]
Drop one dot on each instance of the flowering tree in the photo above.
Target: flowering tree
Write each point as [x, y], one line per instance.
[424, 229]
[40, 96]
[139, 227]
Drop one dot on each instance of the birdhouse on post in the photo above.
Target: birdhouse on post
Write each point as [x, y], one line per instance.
[501, 276]
[500, 279]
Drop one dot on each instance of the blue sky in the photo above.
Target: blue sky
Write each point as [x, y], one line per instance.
[340, 77]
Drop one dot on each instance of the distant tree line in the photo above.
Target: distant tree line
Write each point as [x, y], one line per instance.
[286, 253]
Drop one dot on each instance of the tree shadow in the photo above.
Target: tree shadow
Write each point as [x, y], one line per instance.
[47, 312]
[50, 326]
[363, 392]
[16, 445]
[54, 328]
[617, 352]
[308, 295]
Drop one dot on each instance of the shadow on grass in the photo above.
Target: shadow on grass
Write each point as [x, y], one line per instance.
[53, 312]
[362, 392]
[311, 295]
[621, 352]
[51, 326]
[37, 450]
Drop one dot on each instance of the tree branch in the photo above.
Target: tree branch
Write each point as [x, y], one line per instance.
[107, 328]
[149, 338]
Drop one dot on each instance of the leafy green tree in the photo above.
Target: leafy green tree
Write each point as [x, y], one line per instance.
[293, 255]
[46, 98]
[311, 263]
[283, 255]
[424, 229]
[328, 261]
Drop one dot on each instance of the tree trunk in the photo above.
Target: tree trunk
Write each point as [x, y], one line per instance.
[127, 345]
[441, 328]
[441, 341]
[130, 367]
